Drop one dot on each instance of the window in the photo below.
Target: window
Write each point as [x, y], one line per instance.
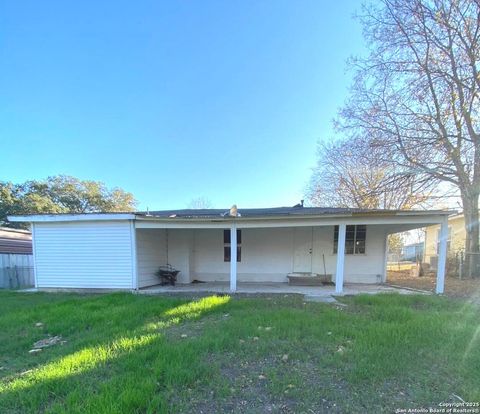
[449, 239]
[226, 245]
[355, 239]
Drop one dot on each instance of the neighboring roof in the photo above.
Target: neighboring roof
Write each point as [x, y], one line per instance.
[457, 216]
[14, 241]
[247, 212]
[33, 218]
[421, 243]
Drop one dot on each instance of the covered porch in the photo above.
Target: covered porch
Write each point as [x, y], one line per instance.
[247, 255]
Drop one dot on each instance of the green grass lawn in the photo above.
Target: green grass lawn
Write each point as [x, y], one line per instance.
[128, 353]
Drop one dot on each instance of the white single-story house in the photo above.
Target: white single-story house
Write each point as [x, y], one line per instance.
[123, 250]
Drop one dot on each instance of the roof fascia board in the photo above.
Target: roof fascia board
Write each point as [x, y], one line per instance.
[420, 221]
[179, 222]
[426, 213]
[299, 216]
[42, 218]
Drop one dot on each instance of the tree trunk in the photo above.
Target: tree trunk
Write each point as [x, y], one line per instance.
[472, 247]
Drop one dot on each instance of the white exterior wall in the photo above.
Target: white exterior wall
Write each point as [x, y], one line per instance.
[151, 253]
[157, 247]
[84, 254]
[99, 254]
[369, 267]
[359, 268]
[266, 255]
[181, 253]
[269, 254]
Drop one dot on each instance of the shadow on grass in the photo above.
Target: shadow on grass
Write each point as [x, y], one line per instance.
[133, 357]
[129, 370]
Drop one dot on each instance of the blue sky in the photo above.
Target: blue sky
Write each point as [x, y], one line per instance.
[173, 100]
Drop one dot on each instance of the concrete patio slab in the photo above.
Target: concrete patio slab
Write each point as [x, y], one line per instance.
[275, 288]
[322, 299]
[312, 293]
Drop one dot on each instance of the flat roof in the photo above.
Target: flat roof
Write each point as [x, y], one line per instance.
[297, 211]
[280, 212]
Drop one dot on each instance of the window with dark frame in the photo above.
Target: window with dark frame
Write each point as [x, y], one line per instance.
[355, 239]
[226, 246]
[449, 239]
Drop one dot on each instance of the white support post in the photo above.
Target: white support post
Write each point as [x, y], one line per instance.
[133, 250]
[342, 229]
[442, 256]
[233, 257]
[35, 274]
[385, 260]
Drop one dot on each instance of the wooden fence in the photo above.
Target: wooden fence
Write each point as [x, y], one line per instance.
[16, 271]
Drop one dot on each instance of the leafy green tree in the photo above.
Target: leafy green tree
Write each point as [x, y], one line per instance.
[61, 194]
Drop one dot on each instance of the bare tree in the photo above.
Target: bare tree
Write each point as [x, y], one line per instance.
[200, 203]
[417, 94]
[350, 174]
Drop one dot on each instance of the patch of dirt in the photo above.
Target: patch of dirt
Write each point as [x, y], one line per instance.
[454, 287]
[267, 385]
[49, 341]
[45, 343]
[274, 384]
[194, 328]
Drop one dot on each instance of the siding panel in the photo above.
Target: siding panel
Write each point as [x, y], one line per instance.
[84, 255]
[151, 253]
